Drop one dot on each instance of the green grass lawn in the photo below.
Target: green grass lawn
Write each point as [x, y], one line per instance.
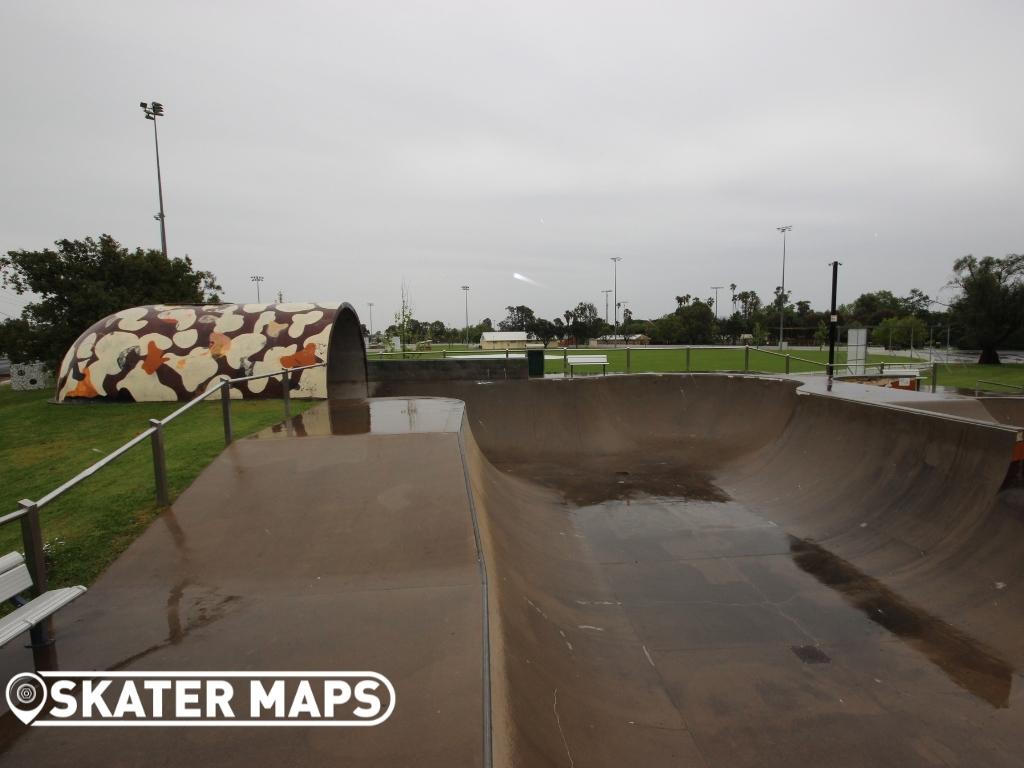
[655, 359]
[42, 445]
[965, 376]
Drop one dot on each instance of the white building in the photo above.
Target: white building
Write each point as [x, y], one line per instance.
[503, 340]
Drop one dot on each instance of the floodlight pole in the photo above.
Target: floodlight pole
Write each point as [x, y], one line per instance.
[833, 320]
[615, 291]
[370, 305]
[152, 112]
[257, 279]
[716, 289]
[782, 293]
[465, 289]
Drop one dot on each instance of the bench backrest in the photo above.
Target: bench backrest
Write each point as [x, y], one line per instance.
[14, 576]
[588, 359]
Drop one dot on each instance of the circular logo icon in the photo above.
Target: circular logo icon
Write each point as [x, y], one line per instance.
[26, 696]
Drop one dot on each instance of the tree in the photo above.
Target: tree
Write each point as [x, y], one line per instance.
[543, 330]
[584, 321]
[404, 318]
[991, 304]
[900, 332]
[83, 281]
[518, 319]
[821, 334]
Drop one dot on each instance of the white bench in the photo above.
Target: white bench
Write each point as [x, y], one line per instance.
[574, 360]
[15, 579]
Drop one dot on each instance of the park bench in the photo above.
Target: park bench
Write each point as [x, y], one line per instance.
[574, 360]
[15, 579]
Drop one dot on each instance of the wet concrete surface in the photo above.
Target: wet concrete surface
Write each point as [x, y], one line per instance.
[300, 555]
[669, 582]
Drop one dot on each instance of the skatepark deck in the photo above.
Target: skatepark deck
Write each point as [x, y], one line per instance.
[703, 570]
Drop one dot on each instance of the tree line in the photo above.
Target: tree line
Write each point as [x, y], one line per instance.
[82, 281]
[986, 313]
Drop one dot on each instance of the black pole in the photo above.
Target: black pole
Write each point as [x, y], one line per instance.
[833, 321]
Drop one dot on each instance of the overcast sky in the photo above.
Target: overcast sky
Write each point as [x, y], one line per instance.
[337, 148]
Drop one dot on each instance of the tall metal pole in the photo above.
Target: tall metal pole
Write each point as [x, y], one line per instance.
[782, 294]
[465, 288]
[152, 111]
[716, 289]
[160, 192]
[370, 305]
[833, 320]
[257, 279]
[615, 291]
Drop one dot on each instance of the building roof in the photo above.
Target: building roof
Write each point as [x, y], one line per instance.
[503, 336]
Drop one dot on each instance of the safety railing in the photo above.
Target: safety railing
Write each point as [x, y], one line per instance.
[28, 510]
[978, 390]
[684, 363]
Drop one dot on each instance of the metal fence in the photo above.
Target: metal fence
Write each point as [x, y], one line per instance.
[28, 510]
[630, 359]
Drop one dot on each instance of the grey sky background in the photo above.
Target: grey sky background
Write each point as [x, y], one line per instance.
[337, 148]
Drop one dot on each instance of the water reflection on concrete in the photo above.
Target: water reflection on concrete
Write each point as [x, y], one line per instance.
[965, 661]
[381, 416]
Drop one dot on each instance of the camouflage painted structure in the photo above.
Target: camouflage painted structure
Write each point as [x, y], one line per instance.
[174, 352]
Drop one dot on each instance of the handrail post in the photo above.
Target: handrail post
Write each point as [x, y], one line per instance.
[687, 359]
[935, 375]
[286, 393]
[44, 652]
[628, 361]
[746, 358]
[159, 463]
[787, 363]
[565, 360]
[225, 403]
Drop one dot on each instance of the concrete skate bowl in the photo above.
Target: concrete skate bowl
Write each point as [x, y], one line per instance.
[716, 570]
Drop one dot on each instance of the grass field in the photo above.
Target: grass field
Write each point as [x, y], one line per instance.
[966, 377]
[42, 445]
[655, 359]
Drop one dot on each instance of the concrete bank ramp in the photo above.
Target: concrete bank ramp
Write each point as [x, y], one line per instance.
[315, 551]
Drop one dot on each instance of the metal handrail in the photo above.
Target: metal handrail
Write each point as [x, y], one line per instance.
[977, 389]
[43, 649]
[155, 431]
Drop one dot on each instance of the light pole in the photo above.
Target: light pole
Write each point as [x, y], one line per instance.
[465, 289]
[257, 279]
[833, 322]
[615, 292]
[153, 111]
[370, 305]
[782, 294]
[606, 291]
[716, 289]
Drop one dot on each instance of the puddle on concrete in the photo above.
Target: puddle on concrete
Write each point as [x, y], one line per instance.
[594, 480]
[811, 654]
[966, 661]
[385, 416]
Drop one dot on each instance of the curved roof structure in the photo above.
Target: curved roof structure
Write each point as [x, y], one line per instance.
[174, 352]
